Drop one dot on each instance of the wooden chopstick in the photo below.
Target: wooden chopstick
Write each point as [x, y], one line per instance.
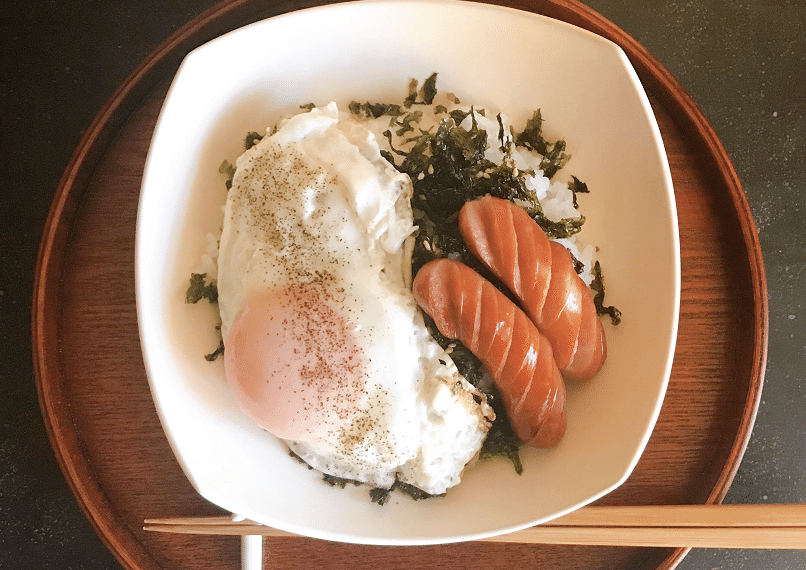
[697, 526]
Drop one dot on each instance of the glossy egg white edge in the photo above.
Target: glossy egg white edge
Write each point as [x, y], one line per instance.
[495, 57]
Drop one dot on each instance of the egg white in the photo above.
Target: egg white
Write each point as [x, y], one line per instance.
[317, 198]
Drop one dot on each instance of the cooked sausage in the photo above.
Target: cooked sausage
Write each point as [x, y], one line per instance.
[467, 307]
[541, 275]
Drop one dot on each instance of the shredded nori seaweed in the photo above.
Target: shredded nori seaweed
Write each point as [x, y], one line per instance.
[448, 168]
[579, 267]
[501, 440]
[216, 353]
[554, 155]
[340, 482]
[577, 187]
[377, 495]
[228, 170]
[381, 496]
[252, 138]
[599, 294]
[423, 96]
[369, 110]
[199, 289]
[563, 228]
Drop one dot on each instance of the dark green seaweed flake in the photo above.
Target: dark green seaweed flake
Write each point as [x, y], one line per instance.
[555, 159]
[407, 122]
[381, 496]
[199, 289]
[252, 138]
[216, 353]
[554, 155]
[579, 267]
[599, 294]
[228, 170]
[378, 495]
[531, 136]
[429, 90]
[458, 115]
[577, 187]
[501, 440]
[424, 95]
[369, 110]
[560, 229]
[414, 492]
[340, 482]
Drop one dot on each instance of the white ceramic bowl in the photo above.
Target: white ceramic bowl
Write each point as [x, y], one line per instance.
[495, 57]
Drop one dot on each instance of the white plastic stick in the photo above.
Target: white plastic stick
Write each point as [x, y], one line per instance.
[252, 552]
[251, 549]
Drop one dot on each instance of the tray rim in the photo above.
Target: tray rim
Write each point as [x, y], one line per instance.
[230, 15]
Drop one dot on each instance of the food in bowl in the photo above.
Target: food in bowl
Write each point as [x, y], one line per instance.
[327, 219]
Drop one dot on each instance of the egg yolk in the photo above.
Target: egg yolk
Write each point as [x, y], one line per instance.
[293, 363]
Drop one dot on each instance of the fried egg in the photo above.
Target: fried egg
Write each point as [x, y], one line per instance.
[325, 347]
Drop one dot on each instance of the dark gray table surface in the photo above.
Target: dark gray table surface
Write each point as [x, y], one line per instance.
[744, 62]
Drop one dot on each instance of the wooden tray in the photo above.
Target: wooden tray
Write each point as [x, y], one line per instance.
[107, 436]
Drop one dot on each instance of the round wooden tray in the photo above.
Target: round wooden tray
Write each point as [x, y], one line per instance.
[107, 436]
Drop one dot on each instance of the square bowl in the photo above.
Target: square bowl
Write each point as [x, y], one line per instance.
[490, 56]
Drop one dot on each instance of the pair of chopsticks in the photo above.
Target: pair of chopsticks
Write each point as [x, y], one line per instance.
[777, 526]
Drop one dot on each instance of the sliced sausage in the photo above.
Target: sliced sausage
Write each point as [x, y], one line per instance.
[467, 307]
[541, 274]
